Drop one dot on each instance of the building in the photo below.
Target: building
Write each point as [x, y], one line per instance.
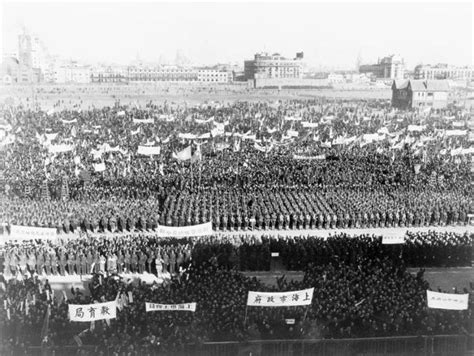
[391, 67]
[109, 74]
[161, 74]
[72, 72]
[209, 75]
[273, 66]
[444, 71]
[10, 70]
[410, 94]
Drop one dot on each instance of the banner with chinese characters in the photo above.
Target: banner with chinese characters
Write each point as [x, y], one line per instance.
[283, 299]
[92, 312]
[183, 231]
[22, 233]
[447, 300]
[393, 239]
[170, 307]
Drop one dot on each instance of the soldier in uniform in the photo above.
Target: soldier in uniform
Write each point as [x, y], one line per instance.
[83, 259]
[39, 263]
[47, 263]
[150, 259]
[172, 262]
[142, 258]
[166, 261]
[127, 261]
[54, 263]
[96, 262]
[62, 262]
[78, 262]
[23, 262]
[120, 262]
[89, 262]
[70, 263]
[134, 262]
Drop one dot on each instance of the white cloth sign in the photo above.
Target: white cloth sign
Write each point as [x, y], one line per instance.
[93, 312]
[69, 121]
[191, 307]
[144, 121]
[292, 118]
[456, 132]
[183, 231]
[308, 125]
[28, 233]
[60, 148]
[393, 240]
[283, 299]
[447, 300]
[99, 167]
[149, 150]
[309, 157]
[187, 136]
[417, 128]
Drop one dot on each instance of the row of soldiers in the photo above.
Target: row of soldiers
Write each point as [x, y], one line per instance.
[268, 221]
[52, 262]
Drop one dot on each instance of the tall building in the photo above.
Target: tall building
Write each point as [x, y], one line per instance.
[410, 94]
[444, 71]
[391, 67]
[274, 66]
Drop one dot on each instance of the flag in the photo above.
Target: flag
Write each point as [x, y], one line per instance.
[183, 155]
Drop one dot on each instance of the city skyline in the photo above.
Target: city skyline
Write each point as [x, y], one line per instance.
[232, 32]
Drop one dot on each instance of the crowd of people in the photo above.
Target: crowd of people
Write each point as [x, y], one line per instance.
[363, 297]
[243, 165]
[166, 257]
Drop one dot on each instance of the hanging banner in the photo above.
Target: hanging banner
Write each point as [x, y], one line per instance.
[69, 121]
[144, 121]
[309, 157]
[191, 307]
[447, 300]
[418, 128]
[393, 240]
[284, 299]
[292, 118]
[184, 231]
[149, 150]
[309, 125]
[93, 312]
[60, 148]
[187, 136]
[31, 233]
[456, 132]
[99, 167]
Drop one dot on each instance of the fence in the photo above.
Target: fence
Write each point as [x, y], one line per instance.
[439, 345]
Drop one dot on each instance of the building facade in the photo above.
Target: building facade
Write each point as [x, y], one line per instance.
[206, 75]
[273, 66]
[411, 94]
[161, 74]
[391, 67]
[444, 71]
[72, 72]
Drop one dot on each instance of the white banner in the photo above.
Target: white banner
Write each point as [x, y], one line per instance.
[393, 240]
[69, 121]
[170, 307]
[293, 133]
[292, 118]
[149, 150]
[93, 312]
[418, 128]
[187, 136]
[308, 125]
[99, 167]
[144, 121]
[29, 233]
[60, 148]
[284, 299]
[183, 231]
[309, 157]
[447, 300]
[456, 132]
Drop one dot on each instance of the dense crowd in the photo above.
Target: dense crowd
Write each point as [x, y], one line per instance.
[293, 164]
[365, 297]
[166, 257]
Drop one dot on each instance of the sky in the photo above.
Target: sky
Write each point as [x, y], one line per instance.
[331, 35]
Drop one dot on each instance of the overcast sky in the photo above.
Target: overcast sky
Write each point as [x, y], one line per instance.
[330, 34]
